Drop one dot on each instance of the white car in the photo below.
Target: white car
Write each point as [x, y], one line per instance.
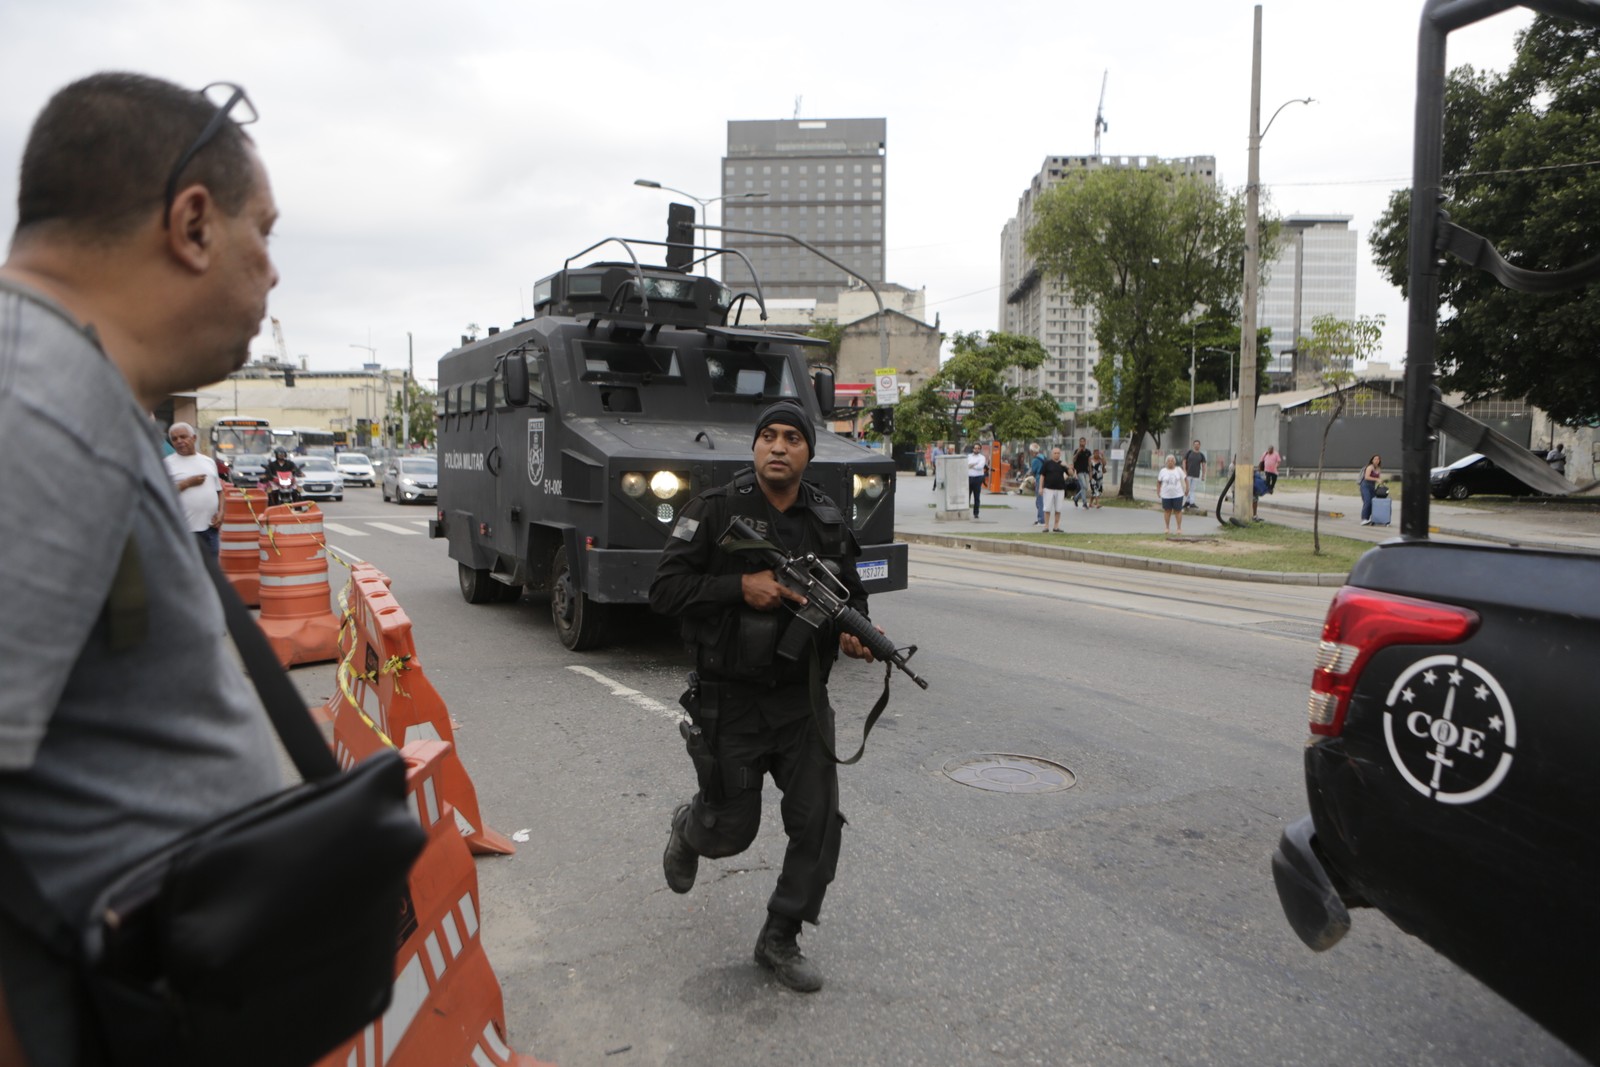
[320, 479]
[356, 468]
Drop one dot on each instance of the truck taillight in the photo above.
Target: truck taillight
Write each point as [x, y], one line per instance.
[1361, 622]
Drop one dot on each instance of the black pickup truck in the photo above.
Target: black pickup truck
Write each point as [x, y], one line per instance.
[1453, 767]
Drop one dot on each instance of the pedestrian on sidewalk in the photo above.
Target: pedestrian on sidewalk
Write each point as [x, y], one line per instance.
[1194, 468]
[977, 469]
[1557, 459]
[1080, 471]
[1269, 466]
[1172, 486]
[1097, 478]
[1371, 475]
[935, 454]
[1053, 477]
[1034, 464]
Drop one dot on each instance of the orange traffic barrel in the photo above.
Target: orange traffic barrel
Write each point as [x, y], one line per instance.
[240, 550]
[295, 598]
[996, 481]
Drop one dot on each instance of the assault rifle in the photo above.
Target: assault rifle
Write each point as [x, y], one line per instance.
[827, 600]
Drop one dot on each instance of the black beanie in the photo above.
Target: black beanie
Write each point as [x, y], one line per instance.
[790, 414]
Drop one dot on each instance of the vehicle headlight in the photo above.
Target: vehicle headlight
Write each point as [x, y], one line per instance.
[634, 484]
[409, 481]
[666, 484]
[869, 485]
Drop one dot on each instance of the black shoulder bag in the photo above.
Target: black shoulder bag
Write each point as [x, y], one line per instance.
[262, 939]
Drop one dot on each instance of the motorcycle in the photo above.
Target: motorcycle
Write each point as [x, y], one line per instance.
[282, 488]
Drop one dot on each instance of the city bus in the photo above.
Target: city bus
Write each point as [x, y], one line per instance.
[302, 440]
[236, 435]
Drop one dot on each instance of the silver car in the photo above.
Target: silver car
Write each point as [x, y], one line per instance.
[356, 468]
[411, 478]
[320, 479]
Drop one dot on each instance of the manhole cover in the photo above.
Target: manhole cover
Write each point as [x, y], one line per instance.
[1005, 773]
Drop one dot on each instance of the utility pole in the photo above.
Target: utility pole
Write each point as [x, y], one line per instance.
[405, 398]
[1243, 481]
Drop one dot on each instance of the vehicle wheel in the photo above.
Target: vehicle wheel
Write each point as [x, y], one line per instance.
[339, 499]
[476, 585]
[386, 493]
[1459, 491]
[580, 622]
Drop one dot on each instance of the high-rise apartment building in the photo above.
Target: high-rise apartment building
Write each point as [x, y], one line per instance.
[1312, 272]
[1040, 307]
[823, 181]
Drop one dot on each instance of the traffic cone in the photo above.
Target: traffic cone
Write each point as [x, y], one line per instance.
[295, 598]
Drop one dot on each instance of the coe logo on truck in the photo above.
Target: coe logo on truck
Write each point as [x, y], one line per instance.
[1450, 729]
[536, 452]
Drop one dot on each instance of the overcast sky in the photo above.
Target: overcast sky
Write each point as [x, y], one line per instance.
[432, 161]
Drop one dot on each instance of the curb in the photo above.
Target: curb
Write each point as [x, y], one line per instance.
[1113, 559]
[1450, 531]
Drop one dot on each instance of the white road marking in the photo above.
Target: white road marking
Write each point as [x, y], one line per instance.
[392, 528]
[632, 696]
[347, 531]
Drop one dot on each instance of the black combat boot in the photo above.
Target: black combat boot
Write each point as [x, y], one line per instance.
[778, 951]
[679, 861]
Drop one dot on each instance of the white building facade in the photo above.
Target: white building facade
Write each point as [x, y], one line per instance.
[1040, 307]
[1312, 273]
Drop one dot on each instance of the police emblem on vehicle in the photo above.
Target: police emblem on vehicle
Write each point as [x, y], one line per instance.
[536, 451]
[1450, 729]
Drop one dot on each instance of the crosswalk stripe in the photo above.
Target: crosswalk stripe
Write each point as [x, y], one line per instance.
[392, 528]
[344, 531]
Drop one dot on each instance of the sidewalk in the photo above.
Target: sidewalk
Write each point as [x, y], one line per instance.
[916, 521]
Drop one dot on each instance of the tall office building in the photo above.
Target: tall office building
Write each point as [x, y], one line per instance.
[1037, 306]
[1312, 272]
[823, 181]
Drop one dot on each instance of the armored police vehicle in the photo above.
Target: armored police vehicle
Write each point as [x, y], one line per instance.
[569, 443]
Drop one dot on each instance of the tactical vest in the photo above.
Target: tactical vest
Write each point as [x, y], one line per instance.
[741, 643]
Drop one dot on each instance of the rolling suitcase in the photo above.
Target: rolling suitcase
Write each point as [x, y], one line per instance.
[1382, 510]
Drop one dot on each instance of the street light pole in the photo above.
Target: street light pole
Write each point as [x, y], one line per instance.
[405, 398]
[372, 357]
[1252, 268]
[1242, 472]
[704, 202]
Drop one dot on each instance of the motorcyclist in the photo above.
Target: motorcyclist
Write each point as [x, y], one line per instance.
[280, 463]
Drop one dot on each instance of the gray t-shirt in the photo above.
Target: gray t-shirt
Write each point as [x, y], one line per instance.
[105, 754]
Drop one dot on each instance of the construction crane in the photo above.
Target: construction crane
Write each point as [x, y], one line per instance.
[277, 337]
[1100, 122]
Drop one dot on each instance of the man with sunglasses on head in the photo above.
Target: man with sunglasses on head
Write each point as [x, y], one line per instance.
[138, 268]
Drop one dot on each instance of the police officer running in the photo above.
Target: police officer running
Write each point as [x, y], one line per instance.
[753, 708]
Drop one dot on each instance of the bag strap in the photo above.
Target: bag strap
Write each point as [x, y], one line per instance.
[285, 707]
[20, 895]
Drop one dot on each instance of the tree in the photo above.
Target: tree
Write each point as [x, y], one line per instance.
[976, 371]
[423, 429]
[1519, 153]
[1332, 350]
[1147, 250]
[1215, 337]
[830, 331]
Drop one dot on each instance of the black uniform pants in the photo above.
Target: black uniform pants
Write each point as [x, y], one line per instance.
[809, 781]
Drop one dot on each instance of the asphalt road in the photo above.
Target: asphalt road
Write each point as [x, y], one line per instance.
[1129, 919]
